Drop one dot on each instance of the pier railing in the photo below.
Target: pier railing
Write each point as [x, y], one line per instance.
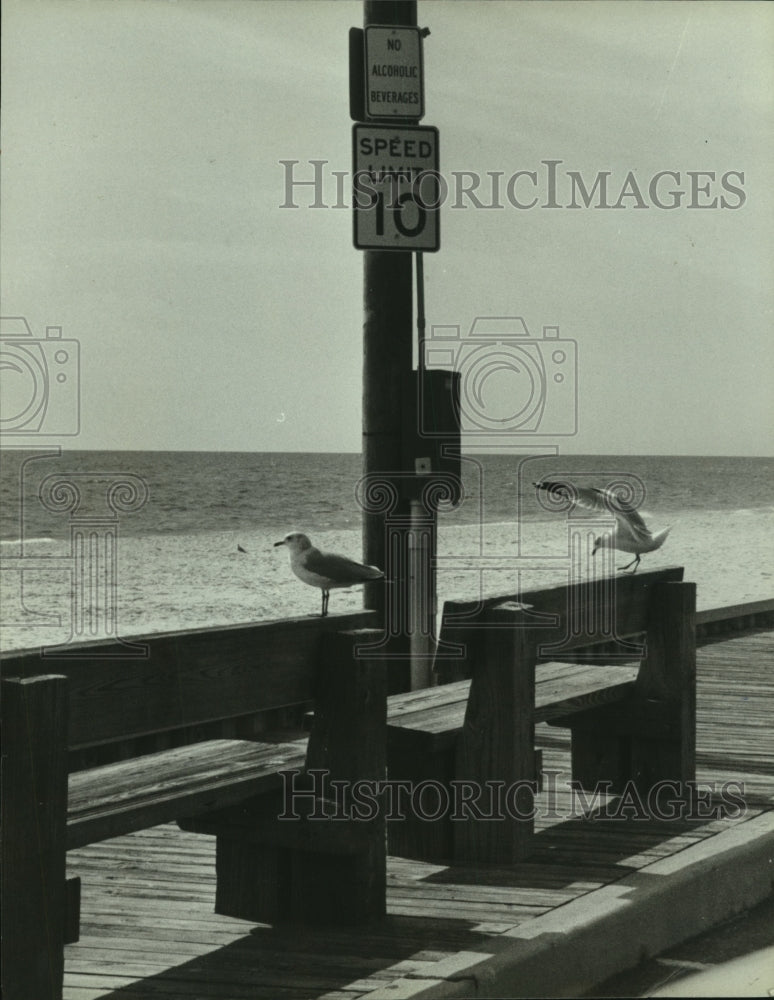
[214, 689]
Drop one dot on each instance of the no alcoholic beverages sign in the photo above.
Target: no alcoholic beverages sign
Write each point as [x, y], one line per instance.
[393, 72]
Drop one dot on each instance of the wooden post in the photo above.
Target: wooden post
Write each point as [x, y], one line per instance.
[497, 744]
[387, 357]
[34, 817]
[667, 680]
[322, 867]
[652, 737]
[348, 740]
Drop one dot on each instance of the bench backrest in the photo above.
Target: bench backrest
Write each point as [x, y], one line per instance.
[564, 618]
[187, 678]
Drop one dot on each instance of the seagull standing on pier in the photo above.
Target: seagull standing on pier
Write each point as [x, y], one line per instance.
[325, 570]
[630, 533]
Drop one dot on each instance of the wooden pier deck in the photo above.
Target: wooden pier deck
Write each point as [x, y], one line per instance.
[148, 929]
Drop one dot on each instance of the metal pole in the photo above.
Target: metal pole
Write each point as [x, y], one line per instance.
[424, 537]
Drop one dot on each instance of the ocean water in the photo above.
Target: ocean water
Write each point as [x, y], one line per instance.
[191, 492]
[175, 520]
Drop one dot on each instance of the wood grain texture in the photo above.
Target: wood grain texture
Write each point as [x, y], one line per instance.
[565, 617]
[651, 737]
[497, 742]
[144, 791]
[189, 678]
[560, 690]
[623, 726]
[149, 931]
[313, 868]
[34, 804]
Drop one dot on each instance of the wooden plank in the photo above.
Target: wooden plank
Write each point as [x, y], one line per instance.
[34, 803]
[134, 794]
[188, 678]
[735, 612]
[408, 702]
[588, 687]
[560, 689]
[566, 617]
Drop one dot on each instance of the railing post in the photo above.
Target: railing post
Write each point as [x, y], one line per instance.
[34, 817]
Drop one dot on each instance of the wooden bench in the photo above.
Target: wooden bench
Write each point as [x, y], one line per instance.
[193, 683]
[628, 722]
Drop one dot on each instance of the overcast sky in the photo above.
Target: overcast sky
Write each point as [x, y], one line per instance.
[142, 188]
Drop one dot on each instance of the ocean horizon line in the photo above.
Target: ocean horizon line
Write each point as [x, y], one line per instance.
[42, 449]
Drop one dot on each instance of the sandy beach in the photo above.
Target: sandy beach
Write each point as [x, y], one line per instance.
[171, 582]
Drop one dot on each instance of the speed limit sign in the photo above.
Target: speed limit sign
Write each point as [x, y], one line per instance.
[396, 195]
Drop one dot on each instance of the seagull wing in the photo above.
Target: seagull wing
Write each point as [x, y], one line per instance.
[339, 569]
[627, 518]
[603, 502]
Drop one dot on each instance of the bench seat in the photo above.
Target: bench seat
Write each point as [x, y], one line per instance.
[130, 795]
[432, 719]
[207, 689]
[502, 663]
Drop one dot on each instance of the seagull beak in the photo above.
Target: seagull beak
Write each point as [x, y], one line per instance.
[279, 543]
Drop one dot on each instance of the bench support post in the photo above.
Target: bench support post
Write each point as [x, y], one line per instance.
[318, 870]
[652, 737]
[496, 746]
[34, 811]
[72, 917]
[667, 678]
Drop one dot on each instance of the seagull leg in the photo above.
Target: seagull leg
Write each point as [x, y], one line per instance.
[325, 595]
[635, 562]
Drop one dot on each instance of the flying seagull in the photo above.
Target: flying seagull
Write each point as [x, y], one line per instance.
[630, 533]
[325, 570]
